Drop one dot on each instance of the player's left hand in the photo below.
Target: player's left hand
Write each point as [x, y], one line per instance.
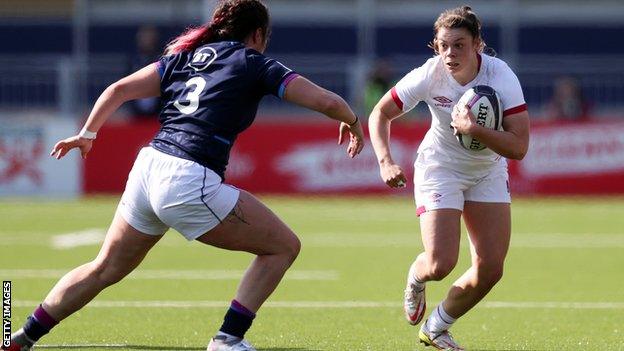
[463, 120]
[356, 137]
[62, 147]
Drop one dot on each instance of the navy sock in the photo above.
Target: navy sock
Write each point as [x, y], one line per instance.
[237, 320]
[38, 324]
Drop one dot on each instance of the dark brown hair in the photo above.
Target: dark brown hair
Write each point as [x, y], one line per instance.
[459, 17]
[231, 20]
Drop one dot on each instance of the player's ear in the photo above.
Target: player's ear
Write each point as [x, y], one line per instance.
[258, 36]
[478, 43]
[434, 46]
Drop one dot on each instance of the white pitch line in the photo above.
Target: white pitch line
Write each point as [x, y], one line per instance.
[82, 238]
[342, 240]
[518, 240]
[171, 274]
[555, 305]
[336, 304]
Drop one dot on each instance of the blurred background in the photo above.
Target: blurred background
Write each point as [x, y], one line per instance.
[58, 56]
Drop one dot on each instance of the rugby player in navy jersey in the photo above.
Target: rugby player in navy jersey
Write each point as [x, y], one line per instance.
[210, 81]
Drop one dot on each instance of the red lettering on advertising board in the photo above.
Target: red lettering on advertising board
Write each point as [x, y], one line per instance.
[19, 158]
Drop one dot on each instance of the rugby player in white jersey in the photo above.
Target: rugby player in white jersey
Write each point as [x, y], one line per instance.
[449, 180]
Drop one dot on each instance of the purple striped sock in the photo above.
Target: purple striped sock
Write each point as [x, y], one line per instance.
[44, 318]
[238, 307]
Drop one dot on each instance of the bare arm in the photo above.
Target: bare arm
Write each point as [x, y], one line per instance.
[512, 143]
[379, 123]
[141, 84]
[304, 93]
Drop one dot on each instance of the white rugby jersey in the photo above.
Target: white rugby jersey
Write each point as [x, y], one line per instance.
[434, 85]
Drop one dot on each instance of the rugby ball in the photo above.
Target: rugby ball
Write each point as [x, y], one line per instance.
[485, 105]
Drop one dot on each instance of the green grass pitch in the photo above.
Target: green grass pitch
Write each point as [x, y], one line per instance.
[563, 287]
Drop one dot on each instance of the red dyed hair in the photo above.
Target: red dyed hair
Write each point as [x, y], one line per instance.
[231, 20]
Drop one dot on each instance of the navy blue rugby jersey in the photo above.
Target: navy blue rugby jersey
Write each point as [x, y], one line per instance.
[209, 96]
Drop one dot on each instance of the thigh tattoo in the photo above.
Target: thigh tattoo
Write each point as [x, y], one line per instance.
[237, 215]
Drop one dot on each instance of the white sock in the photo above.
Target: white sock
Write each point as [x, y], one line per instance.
[439, 320]
[228, 337]
[412, 278]
[21, 338]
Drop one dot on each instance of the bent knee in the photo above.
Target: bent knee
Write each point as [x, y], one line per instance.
[440, 268]
[106, 274]
[292, 247]
[489, 274]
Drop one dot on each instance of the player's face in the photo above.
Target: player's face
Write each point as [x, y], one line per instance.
[458, 49]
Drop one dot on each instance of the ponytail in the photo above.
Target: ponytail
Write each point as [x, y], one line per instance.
[232, 20]
[191, 39]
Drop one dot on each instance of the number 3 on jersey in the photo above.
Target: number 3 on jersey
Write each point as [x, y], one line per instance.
[199, 84]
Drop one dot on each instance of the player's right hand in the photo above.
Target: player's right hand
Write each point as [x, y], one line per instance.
[356, 137]
[393, 175]
[62, 147]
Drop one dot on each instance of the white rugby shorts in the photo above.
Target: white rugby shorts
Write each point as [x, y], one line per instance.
[165, 191]
[439, 186]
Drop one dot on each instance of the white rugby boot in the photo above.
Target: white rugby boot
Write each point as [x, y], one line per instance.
[16, 347]
[441, 341]
[414, 303]
[19, 342]
[220, 343]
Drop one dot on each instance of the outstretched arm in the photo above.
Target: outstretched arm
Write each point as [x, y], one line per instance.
[304, 93]
[141, 84]
[379, 128]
